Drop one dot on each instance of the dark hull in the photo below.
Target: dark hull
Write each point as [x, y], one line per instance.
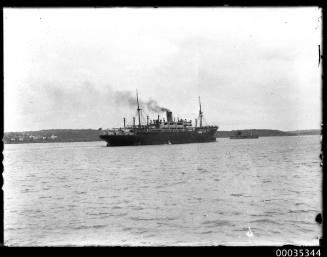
[157, 138]
[243, 137]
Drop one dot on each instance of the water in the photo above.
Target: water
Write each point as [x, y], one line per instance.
[190, 194]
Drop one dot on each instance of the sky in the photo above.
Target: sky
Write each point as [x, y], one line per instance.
[80, 68]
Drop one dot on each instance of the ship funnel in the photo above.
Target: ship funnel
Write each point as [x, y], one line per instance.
[169, 116]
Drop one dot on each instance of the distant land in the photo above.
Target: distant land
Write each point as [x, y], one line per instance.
[87, 135]
[51, 135]
[306, 132]
[268, 132]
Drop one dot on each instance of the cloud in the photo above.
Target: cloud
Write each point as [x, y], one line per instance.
[253, 66]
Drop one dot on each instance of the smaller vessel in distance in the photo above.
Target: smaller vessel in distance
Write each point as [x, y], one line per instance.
[160, 131]
[240, 135]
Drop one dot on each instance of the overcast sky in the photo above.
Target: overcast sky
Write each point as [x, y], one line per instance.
[74, 68]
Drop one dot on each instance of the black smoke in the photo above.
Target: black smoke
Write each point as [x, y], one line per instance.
[129, 98]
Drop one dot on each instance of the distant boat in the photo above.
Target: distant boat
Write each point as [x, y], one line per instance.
[239, 135]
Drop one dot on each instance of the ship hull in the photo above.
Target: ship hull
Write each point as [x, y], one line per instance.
[157, 138]
[243, 137]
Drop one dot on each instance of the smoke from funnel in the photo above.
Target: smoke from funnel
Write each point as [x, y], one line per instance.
[127, 97]
[153, 106]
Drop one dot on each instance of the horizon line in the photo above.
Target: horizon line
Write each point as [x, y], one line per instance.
[104, 129]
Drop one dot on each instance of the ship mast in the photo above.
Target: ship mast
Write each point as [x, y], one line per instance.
[138, 109]
[200, 113]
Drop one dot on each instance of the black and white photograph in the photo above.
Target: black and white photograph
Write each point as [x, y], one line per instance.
[169, 126]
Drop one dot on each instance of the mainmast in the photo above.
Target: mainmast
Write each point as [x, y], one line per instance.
[138, 109]
[200, 113]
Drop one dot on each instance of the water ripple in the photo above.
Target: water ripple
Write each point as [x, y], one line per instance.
[84, 193]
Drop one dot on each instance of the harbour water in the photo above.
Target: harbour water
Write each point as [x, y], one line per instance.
[190, 194]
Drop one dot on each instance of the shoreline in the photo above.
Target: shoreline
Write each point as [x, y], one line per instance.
[84, 141]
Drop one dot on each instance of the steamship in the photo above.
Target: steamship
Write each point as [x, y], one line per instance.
[160, 131]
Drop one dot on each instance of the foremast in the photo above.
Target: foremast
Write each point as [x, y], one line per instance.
[200, 113]
[138, 109]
